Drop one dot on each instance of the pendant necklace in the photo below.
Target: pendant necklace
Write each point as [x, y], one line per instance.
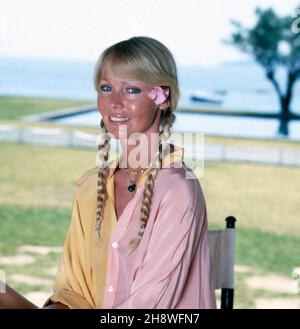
[133, 174]
[133, 178]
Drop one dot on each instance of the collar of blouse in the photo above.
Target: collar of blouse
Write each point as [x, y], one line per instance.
[170, 158]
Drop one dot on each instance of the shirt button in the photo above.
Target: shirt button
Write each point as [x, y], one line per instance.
[110, 289]
[115, 245]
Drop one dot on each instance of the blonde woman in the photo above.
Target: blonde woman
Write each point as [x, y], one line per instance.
[138, 235]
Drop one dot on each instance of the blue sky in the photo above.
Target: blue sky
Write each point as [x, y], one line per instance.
[80, 30]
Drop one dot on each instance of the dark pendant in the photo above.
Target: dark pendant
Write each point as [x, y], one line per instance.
[131, 187]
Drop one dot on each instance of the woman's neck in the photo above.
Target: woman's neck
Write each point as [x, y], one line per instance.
[141, 155]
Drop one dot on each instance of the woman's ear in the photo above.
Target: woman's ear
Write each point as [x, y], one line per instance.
[165, 105]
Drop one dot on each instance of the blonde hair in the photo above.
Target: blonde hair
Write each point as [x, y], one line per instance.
[149, 61]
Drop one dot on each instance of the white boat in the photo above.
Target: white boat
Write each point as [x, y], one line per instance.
[205, 97]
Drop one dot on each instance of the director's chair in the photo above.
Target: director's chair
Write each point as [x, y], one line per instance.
[222, 251]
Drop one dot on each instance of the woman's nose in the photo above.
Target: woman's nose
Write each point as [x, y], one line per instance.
[117, 98]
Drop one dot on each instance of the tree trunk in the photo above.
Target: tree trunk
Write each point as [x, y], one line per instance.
[285, 104]
[284, 117]
[285, 99]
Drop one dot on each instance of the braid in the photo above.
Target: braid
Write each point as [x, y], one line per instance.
[164, 135]
[103, 171]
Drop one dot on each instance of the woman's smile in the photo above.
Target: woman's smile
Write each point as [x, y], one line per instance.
[118, 120]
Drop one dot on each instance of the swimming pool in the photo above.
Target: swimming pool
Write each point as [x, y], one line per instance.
[210, 124]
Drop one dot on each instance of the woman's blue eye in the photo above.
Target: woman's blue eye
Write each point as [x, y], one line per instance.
[105, 88]
[134, 90]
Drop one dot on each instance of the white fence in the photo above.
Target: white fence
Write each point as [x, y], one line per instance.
[215, 152]
[47, 136]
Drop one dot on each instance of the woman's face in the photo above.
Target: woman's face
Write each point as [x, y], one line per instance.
[128, 101]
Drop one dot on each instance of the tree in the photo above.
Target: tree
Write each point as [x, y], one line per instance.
[274, 41]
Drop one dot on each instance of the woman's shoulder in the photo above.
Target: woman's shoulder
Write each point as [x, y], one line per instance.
[87, 177]
[179, 193]
[179, 181]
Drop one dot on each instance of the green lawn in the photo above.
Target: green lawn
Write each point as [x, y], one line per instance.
[262, 197]
[22, 225]
[41, 176]
[12, 108]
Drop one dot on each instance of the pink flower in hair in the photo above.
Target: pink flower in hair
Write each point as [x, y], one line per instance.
[159, 94]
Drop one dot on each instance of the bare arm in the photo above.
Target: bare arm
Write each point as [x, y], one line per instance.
[11, 299]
